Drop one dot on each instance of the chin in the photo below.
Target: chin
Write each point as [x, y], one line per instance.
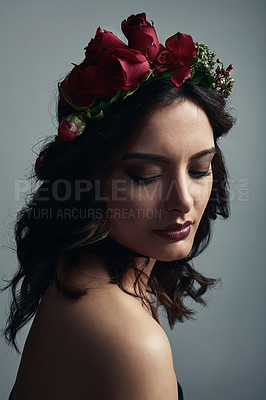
[169, 258]
[171, 255]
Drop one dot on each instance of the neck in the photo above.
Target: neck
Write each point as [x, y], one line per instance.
[143, 266]
[93, 267]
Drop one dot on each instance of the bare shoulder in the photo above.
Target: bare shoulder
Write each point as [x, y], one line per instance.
[123, 350]
[132, 352]
[140, 366]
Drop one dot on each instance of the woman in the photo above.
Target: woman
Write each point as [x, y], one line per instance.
[127, 193]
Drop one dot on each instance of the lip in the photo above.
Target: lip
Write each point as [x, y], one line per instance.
[175, 231]
[176, 226]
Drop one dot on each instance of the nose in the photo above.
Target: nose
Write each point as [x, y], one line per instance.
[178, 196]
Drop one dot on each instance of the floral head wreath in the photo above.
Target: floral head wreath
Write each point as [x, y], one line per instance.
[113, 70]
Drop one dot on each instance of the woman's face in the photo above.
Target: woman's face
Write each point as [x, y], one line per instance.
[164, 179]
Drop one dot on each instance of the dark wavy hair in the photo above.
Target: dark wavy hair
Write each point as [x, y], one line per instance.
[48, 248]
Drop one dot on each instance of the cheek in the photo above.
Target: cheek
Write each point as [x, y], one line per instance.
[120, 193]
[146, 196]
[131, 208]
[201, 194]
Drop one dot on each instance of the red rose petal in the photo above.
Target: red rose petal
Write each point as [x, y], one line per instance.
[180, 75]
[124, 68]
[141, 35]
[183, 47]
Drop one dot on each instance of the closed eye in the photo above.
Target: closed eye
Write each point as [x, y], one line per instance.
[143, 181]
[200, 174]
[146, 181]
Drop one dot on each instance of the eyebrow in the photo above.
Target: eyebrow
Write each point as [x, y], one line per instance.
[163, 159]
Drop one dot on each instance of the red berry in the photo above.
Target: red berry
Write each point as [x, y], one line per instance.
[230, 67]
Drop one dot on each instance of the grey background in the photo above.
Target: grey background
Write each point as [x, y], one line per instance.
[221, 354]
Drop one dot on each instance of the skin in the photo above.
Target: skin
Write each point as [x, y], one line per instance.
[106, 345]
[175, 195]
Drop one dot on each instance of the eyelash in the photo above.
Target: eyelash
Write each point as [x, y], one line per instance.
[199, 174]
[143, 181]
[147, 181]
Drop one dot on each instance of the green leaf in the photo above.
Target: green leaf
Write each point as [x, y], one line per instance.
[130, 92]
[96, 117]
[148, 75]
[115, 97]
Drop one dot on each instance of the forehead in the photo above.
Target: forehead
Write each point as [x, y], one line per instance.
[180, 128]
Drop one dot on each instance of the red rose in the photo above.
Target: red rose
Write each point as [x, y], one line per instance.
[141, 35]
[85, 82]
[124, 68]
[102, 41]
[177, 54]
